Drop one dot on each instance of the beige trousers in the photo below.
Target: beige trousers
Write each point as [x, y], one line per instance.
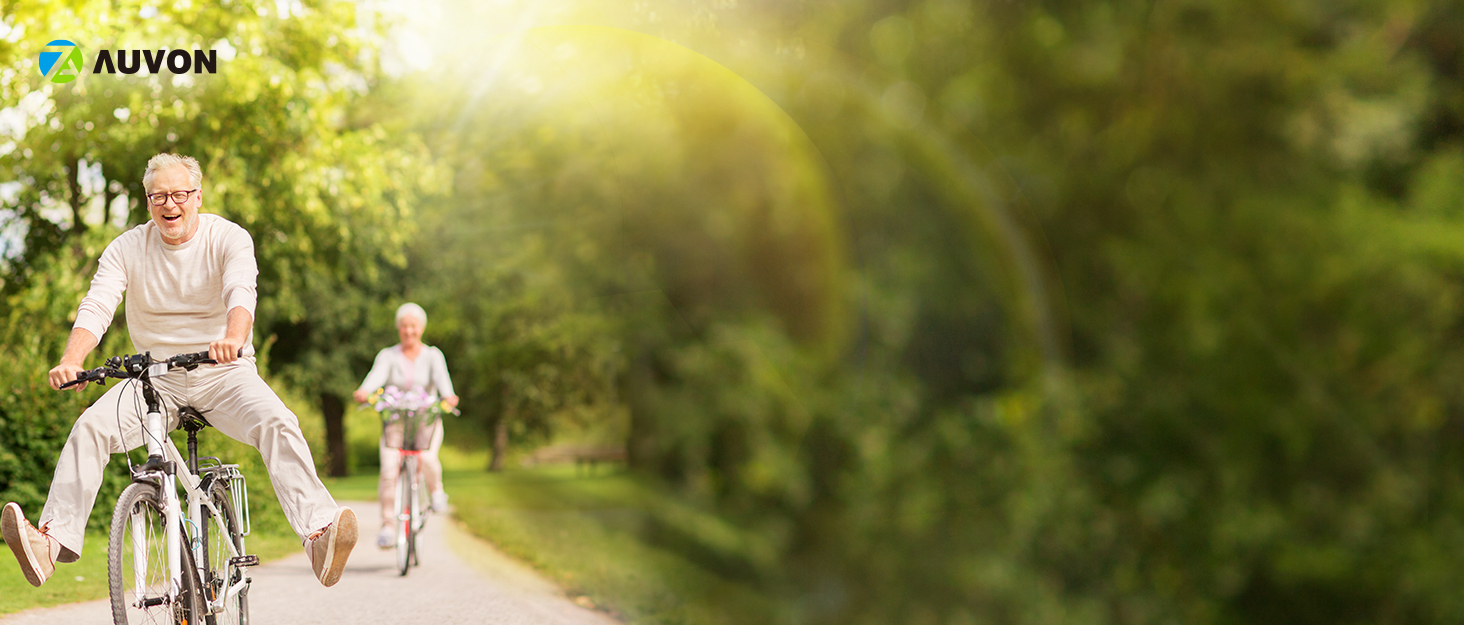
[391, 461]
[234, 400]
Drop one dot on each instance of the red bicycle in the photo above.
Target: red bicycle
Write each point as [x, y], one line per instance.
[408, 422]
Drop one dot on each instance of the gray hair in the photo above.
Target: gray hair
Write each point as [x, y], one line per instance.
[411, 309]
[166, 160]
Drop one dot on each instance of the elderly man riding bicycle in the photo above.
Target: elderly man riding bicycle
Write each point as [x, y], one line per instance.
[189, 279]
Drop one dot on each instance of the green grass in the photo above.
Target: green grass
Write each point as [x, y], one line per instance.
[354, 488]
[632, 550]
[84, 580]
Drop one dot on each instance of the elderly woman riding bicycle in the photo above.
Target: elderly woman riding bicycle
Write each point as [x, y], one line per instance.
[409, 365]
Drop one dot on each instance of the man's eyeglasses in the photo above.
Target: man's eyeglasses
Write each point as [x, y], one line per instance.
[179, 197]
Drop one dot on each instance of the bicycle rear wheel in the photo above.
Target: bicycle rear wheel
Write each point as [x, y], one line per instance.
[405, 523]
[219, 532]
[137, 564]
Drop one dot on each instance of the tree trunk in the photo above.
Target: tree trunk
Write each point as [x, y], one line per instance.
[73, 184]
[640, 444]
[500, 440]
[107, 197]
[334, 410]
[136, 203]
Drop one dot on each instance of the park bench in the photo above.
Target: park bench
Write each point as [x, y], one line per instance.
[585, 457]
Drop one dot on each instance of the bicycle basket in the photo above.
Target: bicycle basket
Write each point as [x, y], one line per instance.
[408, 429]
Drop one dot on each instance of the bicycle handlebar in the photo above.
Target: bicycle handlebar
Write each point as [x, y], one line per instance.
[136, 365]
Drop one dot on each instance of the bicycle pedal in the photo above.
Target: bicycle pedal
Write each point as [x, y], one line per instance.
[250, 560]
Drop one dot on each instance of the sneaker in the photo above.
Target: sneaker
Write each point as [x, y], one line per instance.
[386, 538]
[329, 547]
[439, 501]
[35, 549]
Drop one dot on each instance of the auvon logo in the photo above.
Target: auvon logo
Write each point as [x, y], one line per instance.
[61, 61]
[177, 61]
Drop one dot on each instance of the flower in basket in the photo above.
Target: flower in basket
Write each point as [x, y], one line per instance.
[418, 399]
[394, 403]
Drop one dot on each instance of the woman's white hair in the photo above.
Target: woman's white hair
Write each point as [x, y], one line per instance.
[411, 309]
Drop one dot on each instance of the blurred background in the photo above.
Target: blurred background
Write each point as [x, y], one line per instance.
[928, 312]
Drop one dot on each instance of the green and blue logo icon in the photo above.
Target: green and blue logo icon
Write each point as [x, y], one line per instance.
[61, 61]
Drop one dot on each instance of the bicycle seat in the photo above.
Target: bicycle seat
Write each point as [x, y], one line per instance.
[191, 420]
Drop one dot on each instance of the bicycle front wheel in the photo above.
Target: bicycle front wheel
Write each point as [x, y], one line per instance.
[419, 512]
[224, 579]
[405, 523]
[137, 564]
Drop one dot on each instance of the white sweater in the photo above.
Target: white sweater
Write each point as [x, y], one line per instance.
[428, 371]
[178, 296]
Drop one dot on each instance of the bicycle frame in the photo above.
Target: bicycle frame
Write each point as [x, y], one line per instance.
[166, 474]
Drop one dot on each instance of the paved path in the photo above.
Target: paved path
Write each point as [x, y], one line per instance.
[461, 580]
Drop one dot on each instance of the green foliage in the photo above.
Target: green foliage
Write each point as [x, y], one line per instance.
[1247, 209]
[561, 236]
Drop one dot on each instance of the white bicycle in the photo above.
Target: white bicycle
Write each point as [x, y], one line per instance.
[170, 559]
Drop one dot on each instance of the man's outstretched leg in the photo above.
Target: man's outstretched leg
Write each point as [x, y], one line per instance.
[36, 550]
[245, 409]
